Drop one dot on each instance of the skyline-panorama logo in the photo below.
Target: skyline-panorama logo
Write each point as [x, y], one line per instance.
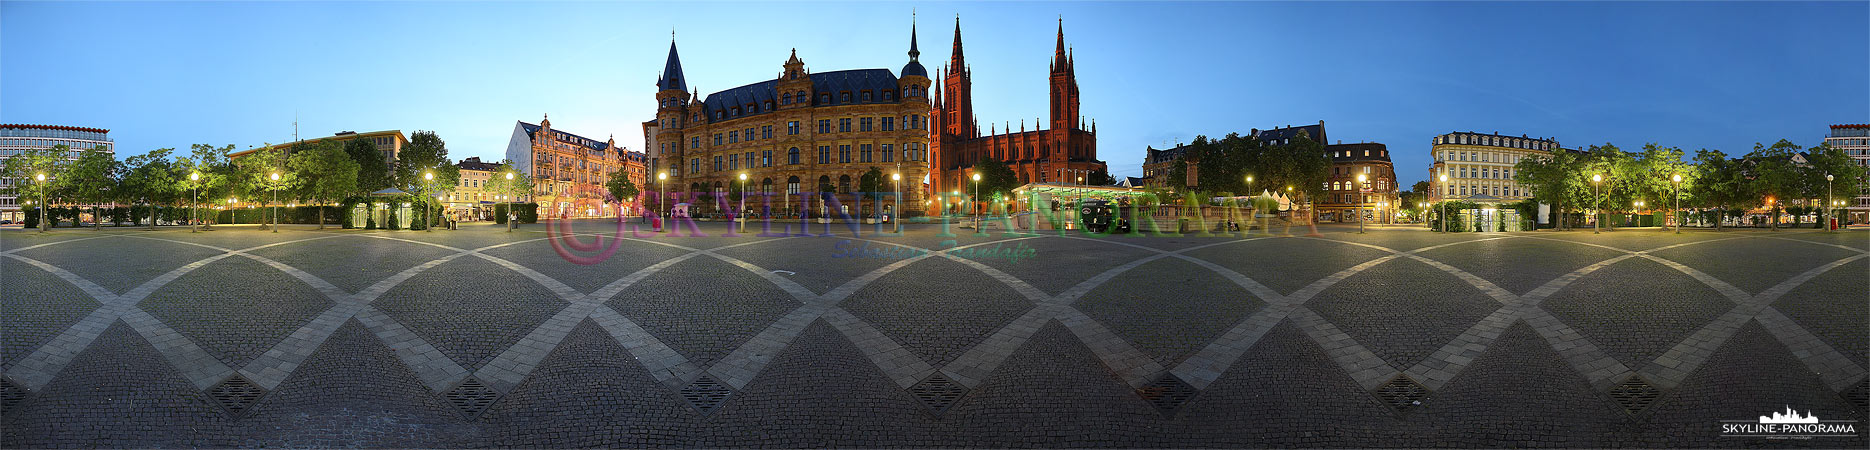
[1788, 424]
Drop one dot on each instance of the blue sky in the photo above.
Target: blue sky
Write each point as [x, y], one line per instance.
[1692, 75]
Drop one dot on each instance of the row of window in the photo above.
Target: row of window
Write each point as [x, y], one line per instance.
[1495, 141]
[844, 125]
[864, 153]
[1381, 185]
[49, 143]
[1482, 172]
[1497, 191]
[56, 134]
[1506, 158]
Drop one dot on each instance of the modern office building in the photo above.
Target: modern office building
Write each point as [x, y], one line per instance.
[1061, 153]
[1854, 140]
[16, 138]
[800, 131]
[568, 171]
[1346, 199]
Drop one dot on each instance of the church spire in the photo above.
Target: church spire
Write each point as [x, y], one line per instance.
[1058, 55]
[913, 52]
[957, 62]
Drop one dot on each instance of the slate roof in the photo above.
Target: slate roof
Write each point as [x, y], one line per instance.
[1378, 152]
[532, 131]
[672, 72]
[835, 83]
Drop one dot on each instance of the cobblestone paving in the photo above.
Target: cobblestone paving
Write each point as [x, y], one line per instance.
[817, 263]
[354, 393]
[235, 308]
[1169, 329]
[973, 306]
[589, 393]
[469, 308]
[357, 338]
[703, 308]
[36, 307]
[1832, 306]
[1636, 309]
[1382, 309]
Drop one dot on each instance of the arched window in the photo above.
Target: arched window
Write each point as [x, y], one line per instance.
[766, 185]
[786, 99]
[823, 180]
[792, 156]
[792, 184]
[844, 97]
[844, 184]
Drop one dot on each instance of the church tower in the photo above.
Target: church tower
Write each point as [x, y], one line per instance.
[1064, 83]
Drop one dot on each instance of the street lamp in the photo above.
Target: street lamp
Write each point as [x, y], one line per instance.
[897, 180]
[1827, 210]
[662, 179]
[194, 179]
[1443, 217]
[1676, 181]
[44, 205]
[232, 219]
[1598, 222]
[743, 202]
[428, 179]
[275, 178]
[1360, 203]
[974, 200]
[1421, 205]
[510, 216]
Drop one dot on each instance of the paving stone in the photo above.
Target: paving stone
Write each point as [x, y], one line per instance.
[1384, 310]
[1521, 393]
[820, 264]
[1750, 376]
[1288, 264]
[973, 307]
[101, 260]
[1637, 309]
[353, 263]
[235, 308]
[1832, 307]
[1132, 306]
[1054, 392]
[703, 308]
[1503, 262]
[1285, 392]
[833, 396]
[1737, 261]
[589, 393]
[470, 309]
[628, 257]
[36, 307]
[354, 393]
[119, 383]
[1058, 264]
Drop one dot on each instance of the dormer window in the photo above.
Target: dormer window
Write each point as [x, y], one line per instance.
[720, 114]
[824, 98]
[769, 105]
[844, 97]
[886, 96]
[866, 96]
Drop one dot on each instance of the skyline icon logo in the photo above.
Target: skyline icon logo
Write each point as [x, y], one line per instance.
[1789, 416]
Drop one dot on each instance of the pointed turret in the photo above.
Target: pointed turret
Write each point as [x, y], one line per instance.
[914, 68]
[1058, 55]
[672, 78]
[955, 59]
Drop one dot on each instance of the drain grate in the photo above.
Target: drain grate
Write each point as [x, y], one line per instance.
[472, 397]
[1167, 393]
[10, 395]
[1859, 396]
[706, 394]
[236, 394]
[1402, 393]
[1635, 394]
[938, 392]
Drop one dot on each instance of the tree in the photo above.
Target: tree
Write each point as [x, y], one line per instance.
[423, 167]
[215, 174]
[90, 180]
[148, 179]
[995, 178]
[1723, 184]
[872, 181]
[27, 166]
[373, 171]
[508, 182]
[1775, 175]
[253, 175]
[1846, 175]
[326, 173]
[1559, 180]
[1100, 177]
[621, 188]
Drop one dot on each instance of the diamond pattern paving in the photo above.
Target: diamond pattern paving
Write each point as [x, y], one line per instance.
[1169, 328]
[1737, 261]
[629, 257]
[1832, 306]
[470, 309]
[119, 383]
[1520, 384]
[703, 308]
[1290, 385]
[1066, 261]
[36, 307]
[353, 263]
[1287, 264]
[1383, 308]
[235, 308]
[1749, 376]
[825, 385]
[1054, 392]
[596, 393]
[1637, 309]
[1504, 261]
[101, 260]
[353, 392]
[974, 306]
[820, 264]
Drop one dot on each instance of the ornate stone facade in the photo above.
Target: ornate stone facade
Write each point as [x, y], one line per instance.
[1059, 154]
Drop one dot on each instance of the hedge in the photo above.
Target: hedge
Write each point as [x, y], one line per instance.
[528, 212]
[298, 214]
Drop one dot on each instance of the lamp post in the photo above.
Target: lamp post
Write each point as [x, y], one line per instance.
[231, 218]
[1676, 191]
[743, 202]
[974, 201]
[1597, 204]
[275, 178]
[1360, 203]
[194, 179]
[511, 217]
[1636, 207]
[662, 179]
[897, 180]
[1422, 206]
[428, 179]
[1827, 210]
[1251, 196]
[44, 205]
[1444, 202]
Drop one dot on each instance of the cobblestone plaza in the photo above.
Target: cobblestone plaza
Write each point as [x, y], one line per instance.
[482, 338]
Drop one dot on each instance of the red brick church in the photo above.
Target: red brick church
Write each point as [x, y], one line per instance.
[1059, 151]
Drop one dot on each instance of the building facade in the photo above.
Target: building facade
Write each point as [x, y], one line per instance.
[389, 142]
[569, 171]
[16, 139]
[1480, 166]
[469, 200]
[1854, 140]
[1346, 199]
[1061, 153]
[796, 133]
[1158, 163]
